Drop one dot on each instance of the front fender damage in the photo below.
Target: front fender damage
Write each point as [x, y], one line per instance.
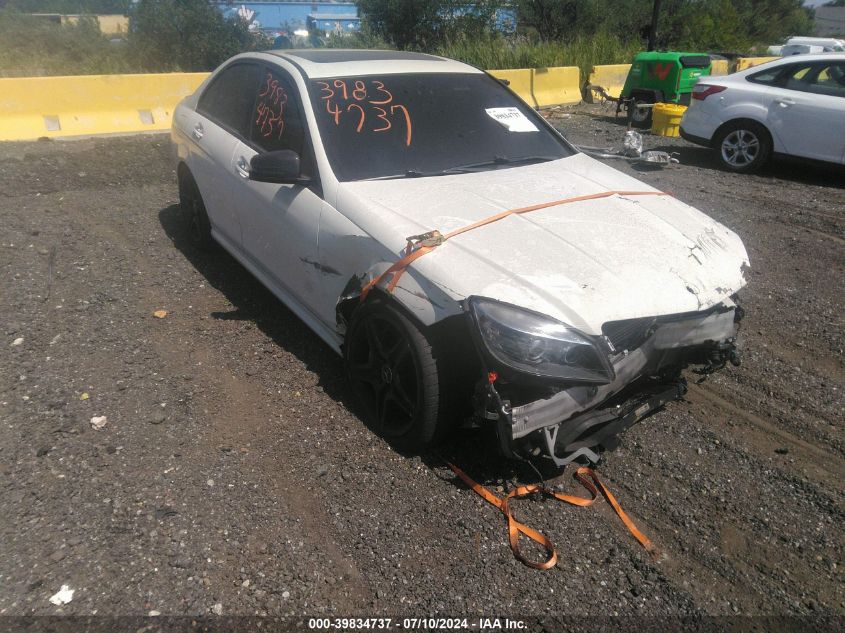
[424, 300]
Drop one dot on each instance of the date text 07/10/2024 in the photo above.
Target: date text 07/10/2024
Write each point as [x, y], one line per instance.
[411, 624]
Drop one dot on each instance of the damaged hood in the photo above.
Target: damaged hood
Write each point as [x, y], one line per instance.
[583, 263]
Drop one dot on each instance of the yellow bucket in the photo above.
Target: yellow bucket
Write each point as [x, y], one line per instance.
[666, 119]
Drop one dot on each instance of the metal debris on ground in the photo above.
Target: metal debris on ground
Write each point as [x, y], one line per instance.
[632, 151]
[632, 144]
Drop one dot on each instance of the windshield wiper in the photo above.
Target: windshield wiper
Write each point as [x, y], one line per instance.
[498, 160]
[409, 173]
[468, 168]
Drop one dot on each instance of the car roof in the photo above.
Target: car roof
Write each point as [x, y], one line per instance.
[315, 63]
[811, 57]
[776, 63]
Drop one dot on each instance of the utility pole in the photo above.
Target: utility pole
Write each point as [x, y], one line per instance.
[652, 33]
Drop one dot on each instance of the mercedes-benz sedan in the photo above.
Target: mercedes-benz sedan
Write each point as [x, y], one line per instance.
[470, 265]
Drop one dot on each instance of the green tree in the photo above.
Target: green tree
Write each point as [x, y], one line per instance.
[33, 46]
[423, 24]
[404, 23]
[186, 35]
[691, 24]
[68, 6]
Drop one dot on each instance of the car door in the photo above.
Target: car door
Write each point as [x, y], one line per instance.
[807, 110]
[222, 115]
[279, 222]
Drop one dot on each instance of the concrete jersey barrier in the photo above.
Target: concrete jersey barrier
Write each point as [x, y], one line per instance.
[719, 67]
[520, 81]
[559, 85]
[543, 87]
[747, 62]
[611, 77]
[87, 105]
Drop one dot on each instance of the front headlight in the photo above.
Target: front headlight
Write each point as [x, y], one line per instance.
[536, 344]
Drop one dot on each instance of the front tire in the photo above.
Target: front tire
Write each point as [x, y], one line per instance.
[394, 375]
[743, 146]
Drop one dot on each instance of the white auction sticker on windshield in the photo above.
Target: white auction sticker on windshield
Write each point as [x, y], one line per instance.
[512, 119]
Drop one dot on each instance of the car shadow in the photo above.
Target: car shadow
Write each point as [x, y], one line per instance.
[473, 450]
[476, 453]
[251, 301]
[804, 172]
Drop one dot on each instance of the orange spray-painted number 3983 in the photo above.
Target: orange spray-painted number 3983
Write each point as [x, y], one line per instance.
[369, 107]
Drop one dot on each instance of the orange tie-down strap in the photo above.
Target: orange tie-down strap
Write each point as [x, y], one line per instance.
[419, 245]
[515, 527]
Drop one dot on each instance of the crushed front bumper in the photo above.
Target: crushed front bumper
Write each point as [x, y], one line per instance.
[582, 419]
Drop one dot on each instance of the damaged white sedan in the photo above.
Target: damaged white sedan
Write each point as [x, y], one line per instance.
[470, 265]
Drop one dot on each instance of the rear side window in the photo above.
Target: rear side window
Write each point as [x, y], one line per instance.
[829, 80]
[228, 101]
[276, 116]
[767, 77]
[797, 78]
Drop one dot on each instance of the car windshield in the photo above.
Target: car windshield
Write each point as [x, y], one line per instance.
[424, 124]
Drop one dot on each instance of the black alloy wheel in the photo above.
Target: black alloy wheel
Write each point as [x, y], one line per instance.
[393, 373]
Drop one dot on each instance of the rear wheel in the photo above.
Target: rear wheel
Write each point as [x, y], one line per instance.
[743, 146]
[393, 372]
[191, 202]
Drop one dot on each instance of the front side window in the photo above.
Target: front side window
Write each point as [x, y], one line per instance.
[426, 124]
[276, 119]
[229, 99]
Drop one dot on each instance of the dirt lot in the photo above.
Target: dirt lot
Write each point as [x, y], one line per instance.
[231, 476]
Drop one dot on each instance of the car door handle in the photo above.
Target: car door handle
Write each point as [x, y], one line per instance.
[198, 131]
[242, 167]
[784, 103]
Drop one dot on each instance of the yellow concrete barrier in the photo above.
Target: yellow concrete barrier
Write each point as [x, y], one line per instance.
[519, 81]
[86, 105]
[611, 77]
[558, 85]
[719, 67]
[747, 62]
[543, 87]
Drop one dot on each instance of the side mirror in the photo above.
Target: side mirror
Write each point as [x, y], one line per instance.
[281, 166]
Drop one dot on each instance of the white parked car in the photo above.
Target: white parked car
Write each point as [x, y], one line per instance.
[469, 264]
[793, 106]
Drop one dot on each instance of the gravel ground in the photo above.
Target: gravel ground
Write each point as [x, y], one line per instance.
[231, 477]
